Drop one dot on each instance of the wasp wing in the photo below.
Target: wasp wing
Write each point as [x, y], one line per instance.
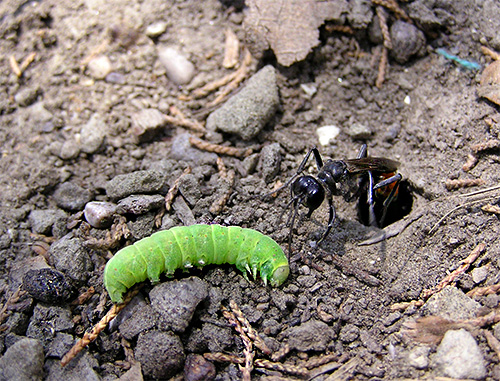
[374, 164]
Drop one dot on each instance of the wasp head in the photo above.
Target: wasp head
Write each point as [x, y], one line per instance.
[309, 192]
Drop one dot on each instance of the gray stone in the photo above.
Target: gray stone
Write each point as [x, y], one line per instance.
[458, 356]
[349, 333]
[92, 134]
[313, 335]
[246, 113]
[160, 353]
[47, 321]
[27, 96]
[452, 304]
[70, 149]
[42, 221]
[270, 161]
[418, 357]
[142, 320]
[182, 150]
[176, 301]
[80, 368]
[140, 204]
[147, 124]
[359, 131]
[407, 41]
[23, 361]
[71, 197]
[156, 29]
[72, 258]
[136, 183]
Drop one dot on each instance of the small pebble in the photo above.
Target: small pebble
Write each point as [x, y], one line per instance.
[147, 123]
[270, 161]
[176, 301]
[93, 134]
[178, 68]
[407, 40]
[99, 214]
[70, 149]
[452, 304]
[359, 131]
[458, 356]
[183, 150]
[47, 285]
[161, 354]
[309, 89]
[156, 29]
[42, 221]
[326, 134]
[71, 197]
[115, 77]
[479, 274]
[23, 361]
[197, 368]
[138, 182]
[26, 96]
[99, 67]
[140, 204]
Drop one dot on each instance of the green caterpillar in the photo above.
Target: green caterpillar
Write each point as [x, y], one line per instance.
[198, 245]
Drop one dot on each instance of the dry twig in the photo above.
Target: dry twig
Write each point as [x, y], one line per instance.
[83, 297]
[488, 52]
[470, 163]
[14, 298]
[487, 145]
[382, 67]
[14, 66]
[89, 337]
[492, 342]
[118, 230]
[393, 6]
[222, 150]
[452, 184]
[490, 208]
[482, 291]
[249, 354]
[186, 123]
[247, 328]
[239, 76]
[217, 206]
[172, 192]
[450, 278]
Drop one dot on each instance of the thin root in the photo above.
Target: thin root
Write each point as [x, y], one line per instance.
[172, 192]
[470, 163]
[222, 150]
[89, 337]
[450, 278]
[463, 183]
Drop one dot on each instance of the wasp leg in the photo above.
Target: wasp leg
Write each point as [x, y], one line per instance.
[363, 152]
[393, 179]
[331, 220]
[291, 222]
[372, 219]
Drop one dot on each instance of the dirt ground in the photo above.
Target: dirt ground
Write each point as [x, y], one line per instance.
[340, 299]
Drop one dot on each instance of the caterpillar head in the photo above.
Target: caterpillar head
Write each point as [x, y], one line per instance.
[279, 275]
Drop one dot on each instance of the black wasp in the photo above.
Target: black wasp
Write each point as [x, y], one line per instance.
[347, 178]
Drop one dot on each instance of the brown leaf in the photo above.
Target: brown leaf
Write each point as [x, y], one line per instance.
[289, 27]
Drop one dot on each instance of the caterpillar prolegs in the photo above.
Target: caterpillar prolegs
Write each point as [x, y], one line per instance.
[184, 247]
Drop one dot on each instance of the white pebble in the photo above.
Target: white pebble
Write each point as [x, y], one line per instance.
[99, 67]
[99, 214]
[156, 29]
[326, 134]
[179, 70]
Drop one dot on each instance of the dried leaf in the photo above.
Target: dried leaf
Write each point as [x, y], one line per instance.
[289, 27]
